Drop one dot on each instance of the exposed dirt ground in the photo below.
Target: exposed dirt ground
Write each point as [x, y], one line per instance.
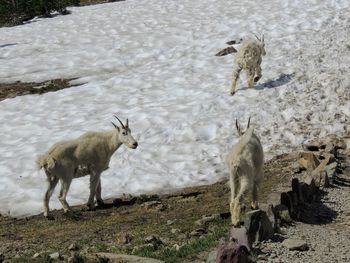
[103, 229]
[11, 90]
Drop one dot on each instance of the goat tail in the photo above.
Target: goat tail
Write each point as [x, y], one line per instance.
[45, 161]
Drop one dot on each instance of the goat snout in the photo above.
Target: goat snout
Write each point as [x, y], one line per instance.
[134, 145]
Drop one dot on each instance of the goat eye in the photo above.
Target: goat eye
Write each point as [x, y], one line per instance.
[124, 133]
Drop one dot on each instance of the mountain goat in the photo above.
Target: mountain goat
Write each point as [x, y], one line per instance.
[88, 154]
[249, 57]
[245, 164]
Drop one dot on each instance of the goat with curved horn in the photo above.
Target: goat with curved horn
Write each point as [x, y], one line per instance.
[75, 158]
[119, 121]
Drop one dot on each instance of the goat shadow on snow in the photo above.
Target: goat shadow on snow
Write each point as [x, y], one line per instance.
[274, 83]
[8, 45]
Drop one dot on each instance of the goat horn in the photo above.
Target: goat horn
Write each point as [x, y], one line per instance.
[263, 38]
[127, 123]
[119, 121]
[237, 126]
[248, 123]
[257, 37]
[115, 126]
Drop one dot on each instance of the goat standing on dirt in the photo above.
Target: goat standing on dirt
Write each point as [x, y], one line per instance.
[245, 164]
[88, 154]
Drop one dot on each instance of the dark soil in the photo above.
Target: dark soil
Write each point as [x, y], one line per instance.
[11, 90]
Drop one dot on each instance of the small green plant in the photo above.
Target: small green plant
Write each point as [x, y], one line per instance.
[172, 255]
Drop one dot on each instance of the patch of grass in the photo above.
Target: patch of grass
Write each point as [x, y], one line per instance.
[101, 247]
[45, 259]
[187, 251]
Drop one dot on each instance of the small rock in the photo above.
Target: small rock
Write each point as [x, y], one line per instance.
[198, 232]
[170, 222]
[282, 213]
[73, 247]
[36, 255]
[177, 247]
[331, 168]
[55, 255]
[124, 238]
[308, 160]
[295, 244]
[212, 257]
[175, 231]
[182, 236]
[199, 222]
[154, 239]
[297, 168]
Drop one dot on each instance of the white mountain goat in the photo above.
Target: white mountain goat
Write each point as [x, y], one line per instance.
[249, 57]
[245, 164]
[88, 154]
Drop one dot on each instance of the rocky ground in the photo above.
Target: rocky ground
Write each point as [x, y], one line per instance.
[325, 238]
[326, 242]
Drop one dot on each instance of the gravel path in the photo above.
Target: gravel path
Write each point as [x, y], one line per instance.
[328, 243]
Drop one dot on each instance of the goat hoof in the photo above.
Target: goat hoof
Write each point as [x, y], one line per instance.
[49, 217]
[91, 208]
[238, 224]
[232, 93]
[100, 204]
[73, 215]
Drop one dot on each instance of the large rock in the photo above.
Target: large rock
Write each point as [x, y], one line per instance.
[212, 257]
[322, 166]
[297, 191]
[120, 258]
[282, 214]
[55, 256]
[295, 244]
[308, 160]
[231, 252]
[258, 226]
[239, 235]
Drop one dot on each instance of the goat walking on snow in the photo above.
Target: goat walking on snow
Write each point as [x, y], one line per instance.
[249, 58]
[245, 164]
[88, 154]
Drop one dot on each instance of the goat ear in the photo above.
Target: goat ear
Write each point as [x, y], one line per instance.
[115, 126]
